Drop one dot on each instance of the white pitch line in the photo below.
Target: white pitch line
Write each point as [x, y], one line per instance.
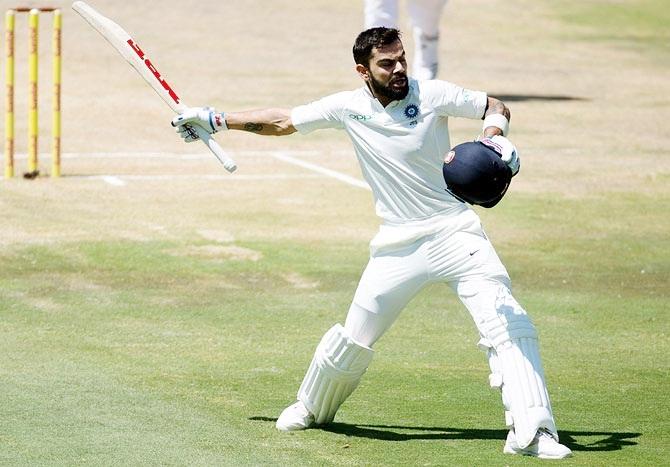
[113, 180]
[282, 156]
[158, 155]
[120, 180]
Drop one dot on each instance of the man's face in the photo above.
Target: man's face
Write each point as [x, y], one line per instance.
[388, 72]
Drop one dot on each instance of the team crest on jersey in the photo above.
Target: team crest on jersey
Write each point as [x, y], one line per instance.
[449, 157]
[411, 111]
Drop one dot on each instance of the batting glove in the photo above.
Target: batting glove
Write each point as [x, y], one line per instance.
[206, 117]
[506, 149]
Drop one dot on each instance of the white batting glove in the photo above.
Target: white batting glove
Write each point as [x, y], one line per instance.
[205, 117]
[506, 149]
[187, 133]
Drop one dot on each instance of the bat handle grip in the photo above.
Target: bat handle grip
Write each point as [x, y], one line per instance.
[223, 157]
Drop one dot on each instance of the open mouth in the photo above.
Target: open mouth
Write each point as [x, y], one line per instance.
[399, 82]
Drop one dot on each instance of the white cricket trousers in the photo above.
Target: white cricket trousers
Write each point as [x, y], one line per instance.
[461, 256]
[424, 14]
[425, 18]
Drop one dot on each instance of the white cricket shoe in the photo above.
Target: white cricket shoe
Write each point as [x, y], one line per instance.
[295, 417]
[543, 446]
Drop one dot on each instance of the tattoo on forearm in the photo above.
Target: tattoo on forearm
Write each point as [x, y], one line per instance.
[254, 127]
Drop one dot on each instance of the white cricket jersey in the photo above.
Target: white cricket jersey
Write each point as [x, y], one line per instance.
[400, 148]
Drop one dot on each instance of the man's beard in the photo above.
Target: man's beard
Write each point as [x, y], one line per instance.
[386, 90]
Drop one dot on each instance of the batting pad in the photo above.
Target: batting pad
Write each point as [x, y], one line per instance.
[516, 369]
[335, 371]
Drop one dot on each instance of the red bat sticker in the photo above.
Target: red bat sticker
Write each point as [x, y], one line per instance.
[154, 71]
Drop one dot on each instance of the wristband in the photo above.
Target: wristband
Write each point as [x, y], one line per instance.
[498, 121]
[218, 121]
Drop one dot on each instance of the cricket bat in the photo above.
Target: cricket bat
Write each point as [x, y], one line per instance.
[138, 59]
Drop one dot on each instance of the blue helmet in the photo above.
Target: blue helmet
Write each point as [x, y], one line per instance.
[476, 174]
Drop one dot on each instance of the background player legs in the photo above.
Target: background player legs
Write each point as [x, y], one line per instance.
[380, 13]
[425, 17]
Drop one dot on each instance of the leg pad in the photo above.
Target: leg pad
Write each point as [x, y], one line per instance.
[516, 369]
[335, 371]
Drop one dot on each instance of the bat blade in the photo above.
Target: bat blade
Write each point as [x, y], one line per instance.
[128, 48]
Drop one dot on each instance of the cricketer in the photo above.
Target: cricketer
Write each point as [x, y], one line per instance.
[399, 129]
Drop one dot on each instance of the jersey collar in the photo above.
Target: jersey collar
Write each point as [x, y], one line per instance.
[412, 89]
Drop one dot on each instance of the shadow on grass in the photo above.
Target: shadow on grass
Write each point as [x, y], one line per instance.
[575, 440]
[536, 97]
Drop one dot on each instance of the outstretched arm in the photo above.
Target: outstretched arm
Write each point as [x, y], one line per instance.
[272, 122]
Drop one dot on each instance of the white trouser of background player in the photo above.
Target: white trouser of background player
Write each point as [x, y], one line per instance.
[425, 18]
[462, 257]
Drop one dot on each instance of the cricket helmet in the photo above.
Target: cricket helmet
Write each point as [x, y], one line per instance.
[476, 174]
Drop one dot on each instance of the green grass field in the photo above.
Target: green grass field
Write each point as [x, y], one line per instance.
[173, 353]
[641, 24]
[171, 325]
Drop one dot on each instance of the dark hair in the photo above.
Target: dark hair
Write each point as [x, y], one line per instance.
[373, 38]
